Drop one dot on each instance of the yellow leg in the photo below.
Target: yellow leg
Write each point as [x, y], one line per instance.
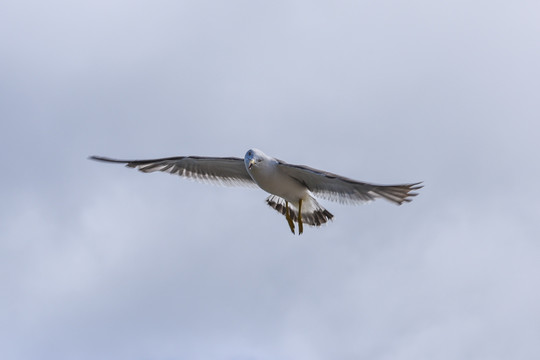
[288, 216]
[300, 225]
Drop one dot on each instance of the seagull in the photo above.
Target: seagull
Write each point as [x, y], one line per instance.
[292, 188]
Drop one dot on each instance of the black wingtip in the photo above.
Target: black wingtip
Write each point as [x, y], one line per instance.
[414, 186]
[106, 159]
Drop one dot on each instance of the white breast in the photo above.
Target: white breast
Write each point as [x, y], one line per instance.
[273, 181]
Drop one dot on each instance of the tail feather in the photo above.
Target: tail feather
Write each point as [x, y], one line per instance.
[314, 214]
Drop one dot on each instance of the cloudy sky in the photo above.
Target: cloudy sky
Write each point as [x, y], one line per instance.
[102, 262]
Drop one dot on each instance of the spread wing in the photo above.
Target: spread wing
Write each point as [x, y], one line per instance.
[221, 170]
[339, 188]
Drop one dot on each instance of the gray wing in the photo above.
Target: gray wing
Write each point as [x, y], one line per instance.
[222, 170]
[339, 188]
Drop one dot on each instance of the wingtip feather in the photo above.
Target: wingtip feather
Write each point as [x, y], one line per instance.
[106, 159]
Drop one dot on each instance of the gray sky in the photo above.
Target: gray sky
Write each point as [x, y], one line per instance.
[99, 261]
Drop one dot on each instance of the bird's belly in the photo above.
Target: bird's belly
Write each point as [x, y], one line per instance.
[281, 185]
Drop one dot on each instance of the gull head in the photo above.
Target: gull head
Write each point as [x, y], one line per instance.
[253, 158]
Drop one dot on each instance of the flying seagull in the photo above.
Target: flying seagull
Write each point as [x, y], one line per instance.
[291, 187]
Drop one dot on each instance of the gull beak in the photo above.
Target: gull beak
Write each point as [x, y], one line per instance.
[251, 162]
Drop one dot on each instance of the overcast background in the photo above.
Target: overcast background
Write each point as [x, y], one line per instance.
[102, 262]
